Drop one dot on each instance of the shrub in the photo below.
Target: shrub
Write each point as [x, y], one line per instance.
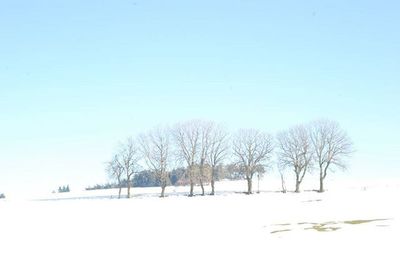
[63, 189]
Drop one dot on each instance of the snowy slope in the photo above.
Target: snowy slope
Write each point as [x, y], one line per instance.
[269, 229]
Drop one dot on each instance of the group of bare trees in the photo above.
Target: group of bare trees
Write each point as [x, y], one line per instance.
[203, 146]
[125, 164]
[320, 145]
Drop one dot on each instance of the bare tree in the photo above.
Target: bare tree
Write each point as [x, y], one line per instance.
[295, 152]
[217, 152]
[115, 171]
[155, 149]
[187, 139]
[129, 157]
[332, 147]
[252, 150]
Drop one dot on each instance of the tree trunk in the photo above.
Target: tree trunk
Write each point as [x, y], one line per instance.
[119, 191]
[298, 181]
[322, 176]
[129, 188]
[283, 184]
[191, 188]
[321, 184]
[202, 187]
[163, 186]
[297, 186]
[249, 186]
[163, 183]
[212, 182]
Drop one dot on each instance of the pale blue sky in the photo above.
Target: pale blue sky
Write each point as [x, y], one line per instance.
[78, 76]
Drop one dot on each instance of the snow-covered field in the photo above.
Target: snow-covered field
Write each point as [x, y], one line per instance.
[354, 224]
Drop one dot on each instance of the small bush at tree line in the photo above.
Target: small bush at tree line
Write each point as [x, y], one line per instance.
[63, 189]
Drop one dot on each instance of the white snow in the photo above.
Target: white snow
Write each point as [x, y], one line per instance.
[227, 230]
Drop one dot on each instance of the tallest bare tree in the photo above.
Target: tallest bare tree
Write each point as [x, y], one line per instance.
[295, 152]
[253, 150]
[217, 152]
[332, 147]
[155, 149]
[187, 139]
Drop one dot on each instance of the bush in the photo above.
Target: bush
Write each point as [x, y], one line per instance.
[2, 196]
[63, 189]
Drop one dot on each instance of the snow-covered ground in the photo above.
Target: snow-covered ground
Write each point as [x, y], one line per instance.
[354, 224]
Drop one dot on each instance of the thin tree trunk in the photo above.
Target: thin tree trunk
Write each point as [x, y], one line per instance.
[321, 185]
[297, 184]
[297, 187]
[163, 186]
[322, 177]
[163, 183]
[191, 188]
[129, 188]
[212, 182]
[249, 186]
[202, 187]
[202, 176]
[119, 191]
[283, 184]
[321, 182]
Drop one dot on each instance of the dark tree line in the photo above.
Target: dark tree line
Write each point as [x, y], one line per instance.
[63, 189]
[176, 177]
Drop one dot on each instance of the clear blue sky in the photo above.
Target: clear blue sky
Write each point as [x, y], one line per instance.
[78, 76]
